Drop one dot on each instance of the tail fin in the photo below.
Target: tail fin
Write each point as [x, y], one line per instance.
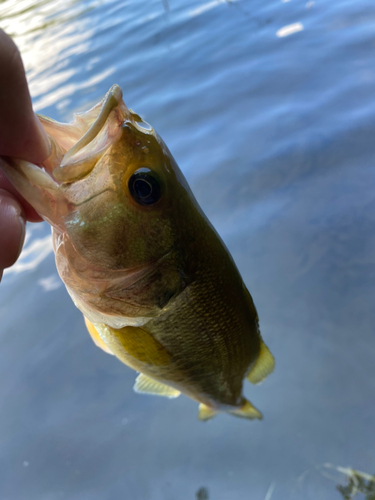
[264, 365]
[247, 410]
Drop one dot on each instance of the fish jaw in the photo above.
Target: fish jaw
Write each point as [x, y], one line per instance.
[105, 130]
[76, 149]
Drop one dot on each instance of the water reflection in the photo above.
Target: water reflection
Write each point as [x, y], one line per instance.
[51, 283]
[270, 491]
[60, 96]
[33, 254]
[289, 30]
[26, 16]
[206, 7]
[48, 34]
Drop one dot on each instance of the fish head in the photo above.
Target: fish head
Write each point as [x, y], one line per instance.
[111, 186]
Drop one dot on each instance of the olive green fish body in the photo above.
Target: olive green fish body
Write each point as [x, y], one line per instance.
[210, 354]
[156, 284]
[211, 329]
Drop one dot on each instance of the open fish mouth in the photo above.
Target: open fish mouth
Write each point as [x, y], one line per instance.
[76, 148]
[90, 135]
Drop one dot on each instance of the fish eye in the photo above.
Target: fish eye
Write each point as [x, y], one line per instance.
[144, 186]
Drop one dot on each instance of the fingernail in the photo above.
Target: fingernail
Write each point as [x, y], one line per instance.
[44, 138]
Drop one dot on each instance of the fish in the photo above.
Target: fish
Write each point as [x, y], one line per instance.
[156, 285]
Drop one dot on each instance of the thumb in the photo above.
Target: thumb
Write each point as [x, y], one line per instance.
[21, 133]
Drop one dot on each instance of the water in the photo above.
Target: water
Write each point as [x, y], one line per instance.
[268, 107]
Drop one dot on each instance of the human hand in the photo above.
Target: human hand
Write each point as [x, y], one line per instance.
[21, 136]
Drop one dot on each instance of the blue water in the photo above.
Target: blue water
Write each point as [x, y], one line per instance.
[269, 109]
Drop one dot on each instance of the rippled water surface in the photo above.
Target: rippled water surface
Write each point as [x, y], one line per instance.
[268, 107]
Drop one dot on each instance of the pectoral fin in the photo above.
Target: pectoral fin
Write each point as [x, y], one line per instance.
[95, 336]
[147, 385]
[141, 345]
[264, 365]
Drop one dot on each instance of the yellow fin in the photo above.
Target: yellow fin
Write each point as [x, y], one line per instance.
[95, 336]
[264, 365]
[148, 385]
[205, 412]
[247, 410]
[141, 345]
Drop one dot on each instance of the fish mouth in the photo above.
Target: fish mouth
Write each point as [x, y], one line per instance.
[76, 148]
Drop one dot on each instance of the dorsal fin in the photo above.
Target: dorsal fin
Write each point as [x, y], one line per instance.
[148, 385]
[264, 365]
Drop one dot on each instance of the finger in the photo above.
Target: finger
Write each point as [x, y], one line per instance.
[21, 133]
[12, 229]
[28, 210]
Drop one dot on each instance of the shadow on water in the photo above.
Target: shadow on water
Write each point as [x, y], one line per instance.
[202, 494]
[165, 5]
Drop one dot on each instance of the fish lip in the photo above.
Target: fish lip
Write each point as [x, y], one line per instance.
[79, 145]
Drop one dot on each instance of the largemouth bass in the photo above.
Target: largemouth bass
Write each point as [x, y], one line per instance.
[155, 283]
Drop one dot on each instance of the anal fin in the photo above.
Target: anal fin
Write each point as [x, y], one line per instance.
[264, 365]
[147, 385]
[247, 410]
[205, 412]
